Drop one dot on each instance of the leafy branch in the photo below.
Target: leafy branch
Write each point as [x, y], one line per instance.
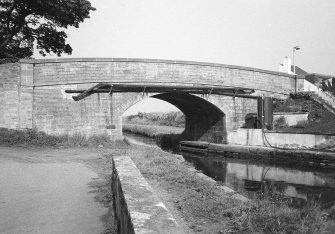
[23, 22]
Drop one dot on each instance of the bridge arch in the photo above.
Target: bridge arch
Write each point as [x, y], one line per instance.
[203, 119]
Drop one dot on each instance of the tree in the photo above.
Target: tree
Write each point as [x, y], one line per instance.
[23, 22]
[329, 87]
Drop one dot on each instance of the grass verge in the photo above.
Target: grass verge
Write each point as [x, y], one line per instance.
[11, 137]
[174, 118]
[151, 130]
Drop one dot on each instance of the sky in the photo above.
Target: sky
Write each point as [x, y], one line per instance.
[252, 33]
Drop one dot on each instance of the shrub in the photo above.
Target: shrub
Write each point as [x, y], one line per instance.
[280, 123]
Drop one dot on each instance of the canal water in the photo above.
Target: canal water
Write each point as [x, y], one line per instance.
[255, 178]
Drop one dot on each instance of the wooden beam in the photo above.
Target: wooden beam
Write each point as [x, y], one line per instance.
[126, 88]
[88, 92]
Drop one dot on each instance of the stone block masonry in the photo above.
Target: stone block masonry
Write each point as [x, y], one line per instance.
[9, 95]
[137, 208]
[56, 113]
[32, 92]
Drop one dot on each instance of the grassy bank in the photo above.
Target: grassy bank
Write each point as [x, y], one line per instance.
[151, 130]
[320, 120]
[207, 209]
[174, 118]
[11, 137]
[166, 137]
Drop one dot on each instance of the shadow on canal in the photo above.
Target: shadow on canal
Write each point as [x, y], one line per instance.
[254, 178]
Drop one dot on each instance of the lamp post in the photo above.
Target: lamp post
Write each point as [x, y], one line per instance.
[294, 49]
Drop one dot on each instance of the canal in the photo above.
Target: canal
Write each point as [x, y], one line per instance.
[260, 178]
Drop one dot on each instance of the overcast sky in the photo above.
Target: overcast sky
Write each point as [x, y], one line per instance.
[254, 33]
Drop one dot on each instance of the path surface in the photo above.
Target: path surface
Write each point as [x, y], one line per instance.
[48, 192]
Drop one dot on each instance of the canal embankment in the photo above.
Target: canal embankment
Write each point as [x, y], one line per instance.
[271, 154]
[151, 130]
[205, 208]
[297, 185]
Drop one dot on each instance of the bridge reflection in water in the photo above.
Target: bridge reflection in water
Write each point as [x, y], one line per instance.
[300, 184]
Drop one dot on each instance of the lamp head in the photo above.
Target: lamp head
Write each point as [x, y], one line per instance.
[296, 48]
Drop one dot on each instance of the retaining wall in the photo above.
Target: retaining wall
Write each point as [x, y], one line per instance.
[291, 118]
[137, 207]
[255, 137]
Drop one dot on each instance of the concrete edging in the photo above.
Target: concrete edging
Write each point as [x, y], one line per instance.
[137, 208]
[258, 137]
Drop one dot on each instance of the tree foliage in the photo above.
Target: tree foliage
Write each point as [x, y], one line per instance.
[23, 22]
[329, 85]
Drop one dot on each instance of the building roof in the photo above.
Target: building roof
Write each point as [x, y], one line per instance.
[314, 78]
[317, 78]
[299, 71]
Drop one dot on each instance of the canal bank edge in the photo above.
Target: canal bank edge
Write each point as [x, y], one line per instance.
[137, 208]
[308, 157]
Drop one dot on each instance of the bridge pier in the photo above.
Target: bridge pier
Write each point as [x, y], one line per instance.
[235, 109]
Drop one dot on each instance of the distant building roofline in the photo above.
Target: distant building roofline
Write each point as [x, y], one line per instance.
[320, 76]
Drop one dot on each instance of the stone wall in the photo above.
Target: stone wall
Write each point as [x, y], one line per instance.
[9, 95]
[56, 113]
[137, 207]
[33, 91]
[73, 71]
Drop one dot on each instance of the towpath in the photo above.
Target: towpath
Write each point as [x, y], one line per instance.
[51, 191]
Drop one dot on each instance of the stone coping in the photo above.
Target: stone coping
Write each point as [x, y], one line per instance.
[138, 209]
[284, 132]
[140, 60]
[290, 113]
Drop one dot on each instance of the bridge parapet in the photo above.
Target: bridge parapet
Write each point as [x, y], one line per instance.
[162, 72]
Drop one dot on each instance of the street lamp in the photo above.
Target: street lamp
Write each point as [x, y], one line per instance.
[294, 49]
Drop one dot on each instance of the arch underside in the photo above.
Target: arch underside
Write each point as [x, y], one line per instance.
[204, 121]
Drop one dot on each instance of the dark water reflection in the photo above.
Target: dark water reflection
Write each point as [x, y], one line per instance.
[297, 183]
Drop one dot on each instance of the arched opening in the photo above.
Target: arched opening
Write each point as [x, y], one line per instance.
[204, 121]
[153, 116]
[149, 105]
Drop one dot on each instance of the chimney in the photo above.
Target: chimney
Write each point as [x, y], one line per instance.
[287, 65]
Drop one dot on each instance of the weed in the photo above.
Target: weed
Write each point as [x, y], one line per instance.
[280, 123]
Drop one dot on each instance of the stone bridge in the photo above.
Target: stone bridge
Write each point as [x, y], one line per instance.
[33, 94]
